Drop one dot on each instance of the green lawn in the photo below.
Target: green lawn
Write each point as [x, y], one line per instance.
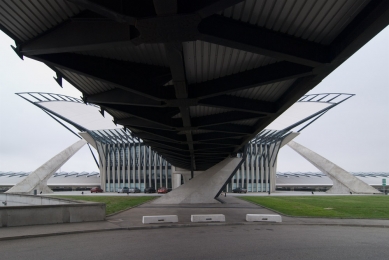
[113, 203]
[375, 207]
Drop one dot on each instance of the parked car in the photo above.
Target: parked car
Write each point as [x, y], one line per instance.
[162, 190]
[134, 190]
[123, 190]
[239, 190]
[150, 190]
[128, 190]
[96, 190]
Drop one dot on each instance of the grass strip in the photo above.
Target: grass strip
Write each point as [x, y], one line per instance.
[113, 203]
[371, 207]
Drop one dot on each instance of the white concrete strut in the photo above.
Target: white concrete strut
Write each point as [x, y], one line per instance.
[37, 180]
[343, 181]
[204, 187]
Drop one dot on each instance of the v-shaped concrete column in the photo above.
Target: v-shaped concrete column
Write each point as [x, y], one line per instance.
[204, 187]
[37, 180]
[343, 181]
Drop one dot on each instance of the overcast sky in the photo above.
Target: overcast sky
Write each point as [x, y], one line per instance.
[353, 135]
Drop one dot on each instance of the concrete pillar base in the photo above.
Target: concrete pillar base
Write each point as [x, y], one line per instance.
[204, 187]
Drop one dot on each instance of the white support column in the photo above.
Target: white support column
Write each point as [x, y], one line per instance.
[257, 166]
[102, 151]
[233, 180]
[176, 178]
[252, 159]
[247, 172]
[160, 171]
[272, 152]
[262, 167]
[133, 163]
[150, 172]
[265, 173]
[274, 149]
[155, 170]
[115, 168]
[242, 175]
[122, 163]
[109, 148]
[237, 179]
[139, 164]
[274, 176]
[144, 166]
[112, 168]
[128, 164]
[164, 162]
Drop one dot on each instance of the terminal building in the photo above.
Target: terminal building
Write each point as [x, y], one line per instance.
[285, 181]
[124, 160]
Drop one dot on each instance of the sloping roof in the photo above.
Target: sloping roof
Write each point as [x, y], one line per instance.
[67, 179]
[88, 117]
[304, 179]
[73, 110]
[192, 72]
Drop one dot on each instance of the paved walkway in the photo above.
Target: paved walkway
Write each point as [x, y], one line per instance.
[234, 209]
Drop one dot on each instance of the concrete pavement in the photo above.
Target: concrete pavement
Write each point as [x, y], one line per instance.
[234, 209]
[209, 242]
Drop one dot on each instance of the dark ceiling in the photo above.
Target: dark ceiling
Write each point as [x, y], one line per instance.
[196, 80]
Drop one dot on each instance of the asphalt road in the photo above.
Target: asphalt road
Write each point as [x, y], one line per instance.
[212, 242]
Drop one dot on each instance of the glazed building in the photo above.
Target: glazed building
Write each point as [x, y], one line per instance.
[124, 160]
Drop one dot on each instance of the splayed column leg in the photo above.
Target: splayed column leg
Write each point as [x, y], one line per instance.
[37, 180]
[204, 187]
[343, 181]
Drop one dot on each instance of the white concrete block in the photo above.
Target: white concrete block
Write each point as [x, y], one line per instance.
[263, 217]
[208, 218]
[160, 219]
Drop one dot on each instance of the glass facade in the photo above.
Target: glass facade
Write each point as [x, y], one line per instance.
[127, 162]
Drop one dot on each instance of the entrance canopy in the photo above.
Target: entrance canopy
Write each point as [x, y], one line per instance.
[195, 80]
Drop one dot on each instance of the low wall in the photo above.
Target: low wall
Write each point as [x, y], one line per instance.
[25, 210]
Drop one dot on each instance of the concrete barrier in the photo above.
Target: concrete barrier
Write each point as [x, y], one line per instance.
[28, 200]
[208, 218]
[160, 219]
[263, 217]
[25, 210]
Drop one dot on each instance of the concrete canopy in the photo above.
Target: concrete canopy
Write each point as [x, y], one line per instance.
[195, 80]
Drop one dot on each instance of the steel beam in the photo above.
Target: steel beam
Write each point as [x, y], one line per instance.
[240, 104]
[243, 36]
[223, 118]
[81, 35]
[272, 73]
[122, 97]
[146, 80]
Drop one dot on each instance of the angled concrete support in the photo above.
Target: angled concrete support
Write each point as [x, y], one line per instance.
[37, 180]
[343, 182]
[204, 187]
[101, 150]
